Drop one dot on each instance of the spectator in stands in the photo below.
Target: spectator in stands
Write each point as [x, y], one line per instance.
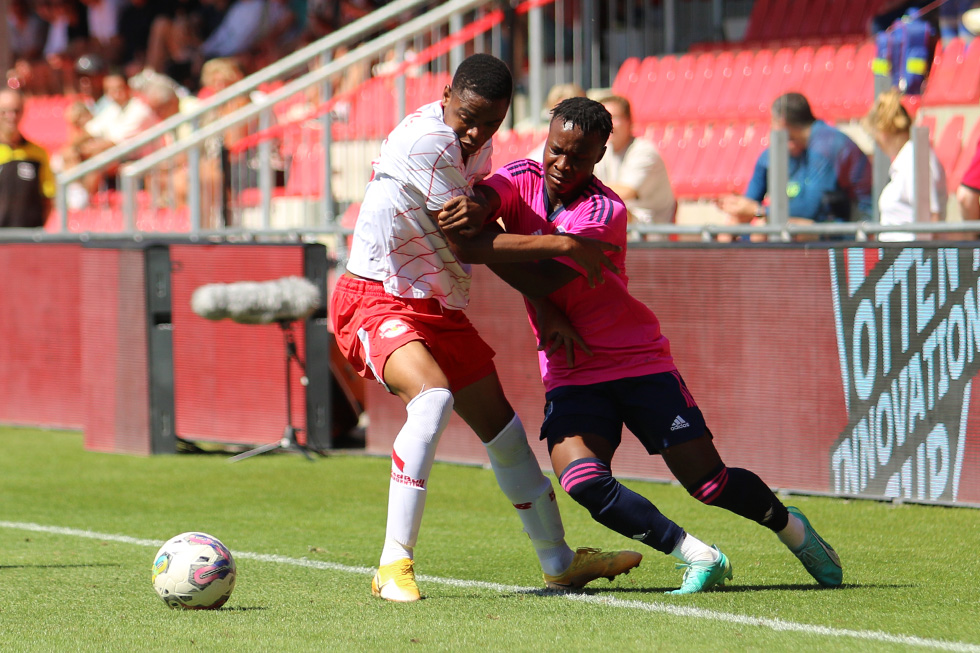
[829, 177]
[633, 168]
[176, 34]
[27, 34]
[122, 117]
[77, 115]
[103, 27]
[26, 31]
[325, 16]
[889, 123]
[67, 39]
[968, 197]
[245, 23]
[135, 21]
[26, 180]
[90, 71]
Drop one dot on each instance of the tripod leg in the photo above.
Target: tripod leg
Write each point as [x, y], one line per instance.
[254, 452]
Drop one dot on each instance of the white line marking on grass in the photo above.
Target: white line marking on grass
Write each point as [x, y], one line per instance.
[662, 608]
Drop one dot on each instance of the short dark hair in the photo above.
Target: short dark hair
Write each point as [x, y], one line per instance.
[588, 115]
[793, 109]
[484, 75]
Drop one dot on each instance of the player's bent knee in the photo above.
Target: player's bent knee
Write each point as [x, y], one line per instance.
[431, 409]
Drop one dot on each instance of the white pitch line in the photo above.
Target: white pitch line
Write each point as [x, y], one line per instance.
[661, 608]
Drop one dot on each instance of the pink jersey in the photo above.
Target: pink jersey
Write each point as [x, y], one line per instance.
[623, 334]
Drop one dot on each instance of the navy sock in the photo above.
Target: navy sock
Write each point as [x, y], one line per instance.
[590, 482]
[742, 492]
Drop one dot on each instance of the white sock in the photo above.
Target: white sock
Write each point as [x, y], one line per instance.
[794, 534]
[691, 549]
[519, 476]
[411, 461]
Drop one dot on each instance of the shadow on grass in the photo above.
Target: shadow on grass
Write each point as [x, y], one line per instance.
[599, 591]
[731, 588]
[2, 567]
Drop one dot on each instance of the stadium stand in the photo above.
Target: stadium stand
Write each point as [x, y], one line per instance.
[710, 104]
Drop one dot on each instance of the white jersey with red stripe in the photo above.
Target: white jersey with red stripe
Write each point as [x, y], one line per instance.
[396, 240]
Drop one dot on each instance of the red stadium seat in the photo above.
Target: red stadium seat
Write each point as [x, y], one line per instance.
[758, 20]
[929, 122]
[817, 86]
[44, 123]
[799, 70]
[716, 179]
[690, 146]
[627, 77]
[749, 106]
[691, 97]
[856, 16]
[942, 77]
[775, 83]
[773, 20]
[832, 19]
[306, 171]
[652, 78]
[676, 84]
[717, 86]
[950, 145]
[742, 70]
[858, 88]
[755, 140]
[802, 18]
[965, 88]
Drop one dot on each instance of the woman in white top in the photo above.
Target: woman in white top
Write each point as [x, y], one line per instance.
[889, 124]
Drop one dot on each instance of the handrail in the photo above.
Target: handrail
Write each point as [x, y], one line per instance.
[243, 114]
[302, 56]
[860, 230]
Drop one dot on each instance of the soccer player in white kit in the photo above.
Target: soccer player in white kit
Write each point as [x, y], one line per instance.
[398, 317]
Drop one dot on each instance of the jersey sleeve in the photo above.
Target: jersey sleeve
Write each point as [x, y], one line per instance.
[502, 182]
[600, 218]
[435, 169]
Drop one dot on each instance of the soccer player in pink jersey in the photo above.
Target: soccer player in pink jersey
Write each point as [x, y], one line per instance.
[629, 376]
[397, 316]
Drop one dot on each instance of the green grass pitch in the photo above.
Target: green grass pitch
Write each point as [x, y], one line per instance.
[78, 531]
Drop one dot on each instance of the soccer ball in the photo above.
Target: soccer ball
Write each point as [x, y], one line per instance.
[194, 571]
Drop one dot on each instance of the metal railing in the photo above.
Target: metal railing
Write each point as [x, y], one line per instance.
[262, 109]
[342, 37]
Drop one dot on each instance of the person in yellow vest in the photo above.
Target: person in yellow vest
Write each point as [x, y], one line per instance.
[26, 181]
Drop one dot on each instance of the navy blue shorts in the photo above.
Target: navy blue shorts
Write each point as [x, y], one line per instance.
[657, 408]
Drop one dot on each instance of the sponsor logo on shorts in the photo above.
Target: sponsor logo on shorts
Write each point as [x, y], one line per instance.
[392, 329]
[679, 423]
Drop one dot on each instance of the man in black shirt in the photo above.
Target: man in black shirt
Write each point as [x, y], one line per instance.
[26, 181]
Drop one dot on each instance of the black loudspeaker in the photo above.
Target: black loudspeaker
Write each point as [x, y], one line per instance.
[319, 390]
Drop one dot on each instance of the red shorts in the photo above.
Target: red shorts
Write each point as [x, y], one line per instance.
[369, 324]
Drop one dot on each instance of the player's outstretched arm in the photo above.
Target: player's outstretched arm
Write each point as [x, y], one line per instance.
[493, 245]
